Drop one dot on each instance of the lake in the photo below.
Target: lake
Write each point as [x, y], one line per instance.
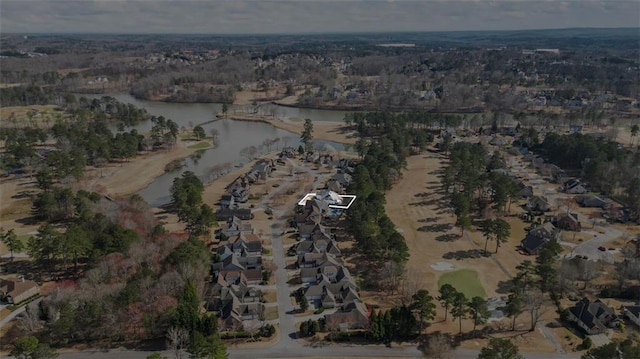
[233, 137]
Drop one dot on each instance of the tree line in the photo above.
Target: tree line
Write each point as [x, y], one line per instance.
[383, 155]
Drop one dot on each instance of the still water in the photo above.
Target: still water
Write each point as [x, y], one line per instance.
[233, 137]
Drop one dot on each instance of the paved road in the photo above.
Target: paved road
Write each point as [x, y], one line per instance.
[329, 351]
[16, 313]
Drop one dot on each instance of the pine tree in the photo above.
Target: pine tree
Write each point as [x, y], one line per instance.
[459, 308]
[479, 312]
[447, 292]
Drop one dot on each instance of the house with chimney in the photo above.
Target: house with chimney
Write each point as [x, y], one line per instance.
[594, 317]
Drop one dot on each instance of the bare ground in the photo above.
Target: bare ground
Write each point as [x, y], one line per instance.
[415, 206]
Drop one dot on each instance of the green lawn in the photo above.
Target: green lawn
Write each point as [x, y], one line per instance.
[201, 145]
[465, 281]
[24, 238]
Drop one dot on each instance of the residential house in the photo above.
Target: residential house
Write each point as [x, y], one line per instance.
[228, 278]
[555, 172]
[329, 295]
[353, 315]
[249, 276]
[573, 186]
[538, 203]
[306, 231]
[539, 236]
[342, 179]
[227, 201]
[240, 195]
[225, 214]
[244, 245]
[333, 298]
[593, 317]
[310, 216]
[632, 312]
[260, 171]
[317, 260]
[335, 186]
[569, 222]
[288, 152]
[318, 245]
[236, 261]
[17, 290]
[333, 274]
[318, 204]
[524, 190]
[591, 201]
[233, 313]
[218, 298]
[238, 184]
[575, 128]
[235, 226]
[346, 166]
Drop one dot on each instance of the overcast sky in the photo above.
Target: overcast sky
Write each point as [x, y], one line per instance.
[303, 16]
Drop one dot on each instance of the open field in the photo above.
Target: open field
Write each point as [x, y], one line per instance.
[125, 178]
[17, 115]
[420, 213]
[465, 281]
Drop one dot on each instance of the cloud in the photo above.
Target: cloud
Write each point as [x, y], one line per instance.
[302, 16]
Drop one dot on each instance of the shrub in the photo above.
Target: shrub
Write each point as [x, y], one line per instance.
[319, 310]
[267, 331]
[585, 345]
[235, 335]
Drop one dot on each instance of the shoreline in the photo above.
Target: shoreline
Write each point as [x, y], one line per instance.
[131, 177]
[322, 130]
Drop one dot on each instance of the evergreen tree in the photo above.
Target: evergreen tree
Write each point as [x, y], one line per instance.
[10, 239]
[479, 312]
[459, 308]
[447, 293]
[501, 231]
[514, 307]
[307, 135]
[423, 304]
[487, 229]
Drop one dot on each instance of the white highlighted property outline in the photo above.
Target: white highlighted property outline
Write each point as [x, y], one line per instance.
[337, 201]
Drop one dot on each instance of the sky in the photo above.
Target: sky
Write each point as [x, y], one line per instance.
[308, 16]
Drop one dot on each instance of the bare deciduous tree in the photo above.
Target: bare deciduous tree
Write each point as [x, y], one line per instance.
[178, 340]
[437, 346]
[534, 300]
[30, 321]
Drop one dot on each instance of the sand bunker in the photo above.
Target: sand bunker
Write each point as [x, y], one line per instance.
[442, 266]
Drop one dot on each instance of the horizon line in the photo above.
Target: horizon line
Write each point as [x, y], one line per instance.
[320, 32]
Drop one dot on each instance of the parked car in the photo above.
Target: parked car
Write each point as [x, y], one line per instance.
[601, 248]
